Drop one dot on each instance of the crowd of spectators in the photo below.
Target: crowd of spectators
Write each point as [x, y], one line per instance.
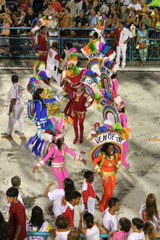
[145, 226]
[78, 13]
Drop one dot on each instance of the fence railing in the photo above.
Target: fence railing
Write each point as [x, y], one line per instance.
[45, 235]
[20, 45]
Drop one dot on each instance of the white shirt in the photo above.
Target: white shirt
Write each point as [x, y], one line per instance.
[136, 7]
[57, 197]
[125, 2]
[15, 92]
[61, 235]
[44, 228]
[124, 35]
[136, 236]
[93, 233]
[110, 222]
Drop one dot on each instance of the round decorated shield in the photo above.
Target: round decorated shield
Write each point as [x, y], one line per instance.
[96, 151]
[93, 65]
[111, 114]
[46, 147]
[30, 109]
[105, 81]
[90, 92]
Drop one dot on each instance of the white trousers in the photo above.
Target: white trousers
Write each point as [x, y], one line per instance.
[16, 115]
[121, 49]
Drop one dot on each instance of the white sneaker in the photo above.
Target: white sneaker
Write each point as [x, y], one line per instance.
[19, 133]
[6, 135]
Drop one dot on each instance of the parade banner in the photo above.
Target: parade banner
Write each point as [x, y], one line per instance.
[88, 81]
[108, 137]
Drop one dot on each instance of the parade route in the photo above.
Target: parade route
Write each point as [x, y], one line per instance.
[141, 91]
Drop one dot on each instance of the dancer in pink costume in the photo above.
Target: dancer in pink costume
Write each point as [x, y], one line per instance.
[56, 154]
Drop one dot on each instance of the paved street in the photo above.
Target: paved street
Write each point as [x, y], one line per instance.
[141, 90]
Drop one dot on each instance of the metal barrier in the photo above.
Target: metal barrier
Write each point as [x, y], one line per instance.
[20, 46]
[45, 235]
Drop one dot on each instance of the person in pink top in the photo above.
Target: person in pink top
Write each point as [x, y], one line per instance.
[124, 230]
[56, 154]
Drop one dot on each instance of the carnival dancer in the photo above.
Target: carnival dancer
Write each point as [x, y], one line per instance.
[57, 153]
[106, 165]
[41, 119]
[53, 61]
[42, 45]
[16, 108]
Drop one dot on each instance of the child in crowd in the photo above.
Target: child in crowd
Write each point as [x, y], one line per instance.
[16, 182]
[69, 208]
[149, 233]
[62, 230]
[88, 193]
[110, 221]
[60, 196]
[124, 229]
[37, 223]
[137, 226]
[93, 230]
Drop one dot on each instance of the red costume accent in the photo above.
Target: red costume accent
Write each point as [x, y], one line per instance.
[42, 49]
[76, 109]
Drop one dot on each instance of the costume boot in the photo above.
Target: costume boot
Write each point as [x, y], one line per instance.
[76, 133]
[81, 133]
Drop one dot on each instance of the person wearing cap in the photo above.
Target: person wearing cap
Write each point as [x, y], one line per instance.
[56, 153]
[81, 22]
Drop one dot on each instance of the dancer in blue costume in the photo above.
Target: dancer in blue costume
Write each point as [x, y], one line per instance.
[41, 120]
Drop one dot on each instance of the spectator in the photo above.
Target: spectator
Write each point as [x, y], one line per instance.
[79, 4]
[124, 229]
[16, 107]
[95, 5]
[53, 27]
[65, 22]
[10, 12]
[56, 6]
[45, 5]
[104, 8]
[155, 16]
[149, 233]
[17, 216]
[122, 37]
[37, 6]
[21, 17]
[146, 20]
[74, 235]
[133, 19]
[60, 196]
[88, 193]
[137, 226]
[144, 8]
[143, 42]
[93, 20]
[49, 11]
[69, 209]
[93, 230]
[134, 6]
[149, 212]
[110, 221]
[30, 16]
[16, 182]
[4, 228]
[81, 22]
[63, 228]
[122, 5]
[6, 32]
[23, 5]
[37, 222]
[112, 11]
[112, 23]
[2, 6]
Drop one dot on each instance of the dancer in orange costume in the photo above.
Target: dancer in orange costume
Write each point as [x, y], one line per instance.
[106, 165]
